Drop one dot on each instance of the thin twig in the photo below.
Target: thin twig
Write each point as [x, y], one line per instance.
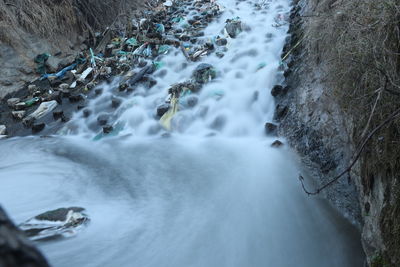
[393, 116]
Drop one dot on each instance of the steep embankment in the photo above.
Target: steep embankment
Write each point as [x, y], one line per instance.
[341, 98]
[60, 28]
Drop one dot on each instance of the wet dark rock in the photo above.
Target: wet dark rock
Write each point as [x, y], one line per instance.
[277, 144]
[103, 119]
[184, 37]
[55, 96]
[115, 102]
[148, 81]
[65, 93]
[63, 222]
[221, 41]
[55, 82]
[122, 87]
[192, 101]
[79, 107]
[38, 127]
[58, 114]
[162, 109]
[16, 250]
[107, 129]
[57, 215]
[142, 63]
[64, 118]
[271, 129]
[75, 98]
[277, 90]
[204, 73]
[98, 91]
[87, 113]
[281, 111]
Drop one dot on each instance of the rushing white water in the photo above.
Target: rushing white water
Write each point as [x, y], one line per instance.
[191, 199]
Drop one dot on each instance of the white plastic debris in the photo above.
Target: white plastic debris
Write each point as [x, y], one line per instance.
[43, 109]
[168, 3]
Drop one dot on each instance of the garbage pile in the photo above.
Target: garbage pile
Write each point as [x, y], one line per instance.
[173, 25]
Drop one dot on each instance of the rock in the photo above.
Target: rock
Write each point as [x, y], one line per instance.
[19, 115]
[75, 98]
[204, 73]
[107, 129]
[55, 96]
[38, 127]
[221, 41]
[13, 101]
[65, 93]
[66, 61]
[86, 113]
[63, 222]
[25, 70]
[58, 114]
[103, 119]
[162, 109]
[90, 86]
[277, 90]
[281, 111]
[63, 86]
[3, 129]
[271, 129]
[52, 64]
[115, 102]
[98, 91]
[20, 106]
[16, 250]
[233, 27]
[277, 144]
[6, 82]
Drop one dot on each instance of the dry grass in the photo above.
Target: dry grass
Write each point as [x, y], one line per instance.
[357, 42]
[52, 19]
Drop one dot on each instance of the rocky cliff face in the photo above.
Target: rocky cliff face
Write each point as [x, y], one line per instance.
[324, 134]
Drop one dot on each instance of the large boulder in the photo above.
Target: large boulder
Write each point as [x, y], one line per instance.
[15, 249]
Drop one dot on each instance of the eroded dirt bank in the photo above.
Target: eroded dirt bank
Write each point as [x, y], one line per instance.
[341, 97]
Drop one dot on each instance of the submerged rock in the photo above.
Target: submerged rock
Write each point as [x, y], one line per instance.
[204, 73]
[62, 222]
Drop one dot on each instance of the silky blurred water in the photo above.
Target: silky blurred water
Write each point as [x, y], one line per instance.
[201, 196]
